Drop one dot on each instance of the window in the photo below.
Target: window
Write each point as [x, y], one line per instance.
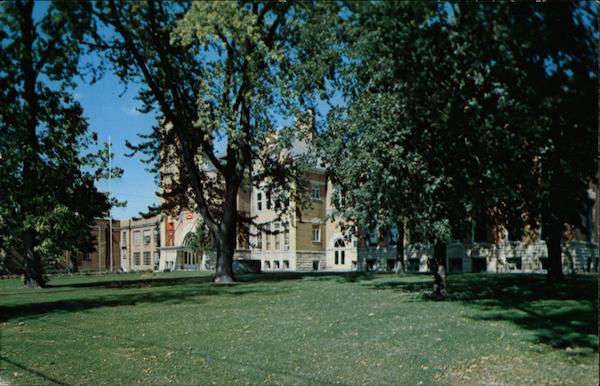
[277, 236]
[146, 237]
[136, 258]
[340, 255]
[316, 233]
[136, 238]
[268, 236]
[146, 258]
[124, 239]
[156, 236]
[286, 239]
[276, 264]
[286, 264]
[259, 201]
[156, 258]
[338, 198]
[268, 201]
[259, 238]
[394, 235]
[316, 192]
[373, 237]
[315, 265]
[267, 264]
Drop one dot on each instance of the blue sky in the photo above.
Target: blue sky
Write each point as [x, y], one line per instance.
[110, 114]
[110, 108]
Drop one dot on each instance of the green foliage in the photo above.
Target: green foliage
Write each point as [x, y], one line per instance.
[46, 196]
[458, 112]
[218, 73]
[200, 240]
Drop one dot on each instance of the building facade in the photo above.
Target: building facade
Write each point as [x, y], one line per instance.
[312, 239]
[177, 251]
[99, 258]
[140, 241]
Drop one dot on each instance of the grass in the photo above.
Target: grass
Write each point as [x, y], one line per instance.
[178, 328]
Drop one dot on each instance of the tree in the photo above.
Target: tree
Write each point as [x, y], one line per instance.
[402, 149]
[201, 241]
[546, 53]
[448, 117]
[46, 197]
[219, 73]
[100, 167]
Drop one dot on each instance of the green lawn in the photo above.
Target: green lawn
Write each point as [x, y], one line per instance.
[178, 328]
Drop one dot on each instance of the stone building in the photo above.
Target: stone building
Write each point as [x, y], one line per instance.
[140, 241]
[314, 240]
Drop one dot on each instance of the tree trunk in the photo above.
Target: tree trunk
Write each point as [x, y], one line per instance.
[438, 269]
[401, 268]
[553, 237]
[225, 249]
[73, 267]
[33, 270]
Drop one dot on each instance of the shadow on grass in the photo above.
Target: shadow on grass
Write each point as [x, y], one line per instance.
[137, 283]
[263, 277]
[175, 290]
[179, 293]
[562, 315]
[32, 371]
[341, 277]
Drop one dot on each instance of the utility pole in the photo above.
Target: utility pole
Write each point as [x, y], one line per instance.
[99, 240]
[110, 233]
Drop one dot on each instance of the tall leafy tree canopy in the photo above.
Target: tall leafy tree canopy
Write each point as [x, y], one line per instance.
[46, 195]
[459, 112]
[220, 74]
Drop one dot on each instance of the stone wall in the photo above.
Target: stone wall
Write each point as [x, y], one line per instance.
[578, 256]
[305, 261]
[376, 259]
[416, 256]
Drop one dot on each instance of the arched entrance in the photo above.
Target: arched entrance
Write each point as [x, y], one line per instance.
[187, 258]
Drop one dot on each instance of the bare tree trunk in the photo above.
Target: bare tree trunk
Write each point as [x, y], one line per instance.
[225, 249]
[401, 268]
[553, 237]
[33, 270]
[438, 269]
[73, 267]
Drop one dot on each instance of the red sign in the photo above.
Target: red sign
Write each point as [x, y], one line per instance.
[170, 234]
